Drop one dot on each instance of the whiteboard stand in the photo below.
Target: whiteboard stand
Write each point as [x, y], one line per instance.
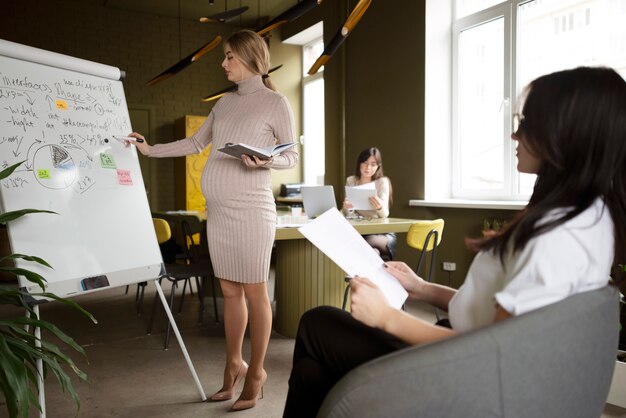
[180, 339]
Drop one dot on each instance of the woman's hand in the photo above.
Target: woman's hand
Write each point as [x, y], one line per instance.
[254, 161]
[142, 145]
[376, 203]
[346, 204]
[368, 304]
[411, 282]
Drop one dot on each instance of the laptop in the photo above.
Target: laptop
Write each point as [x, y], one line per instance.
[317, 199]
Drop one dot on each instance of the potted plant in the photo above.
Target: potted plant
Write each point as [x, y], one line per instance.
[20, 349]
[492, 228]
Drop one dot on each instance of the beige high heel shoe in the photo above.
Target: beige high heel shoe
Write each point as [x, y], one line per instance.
[242, 404]
[226, 394]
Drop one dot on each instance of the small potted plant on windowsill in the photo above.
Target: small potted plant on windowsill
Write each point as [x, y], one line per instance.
[492, 228]
[20, 350]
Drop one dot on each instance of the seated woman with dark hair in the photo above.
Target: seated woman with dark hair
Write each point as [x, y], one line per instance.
[369, 169]
[571, 132]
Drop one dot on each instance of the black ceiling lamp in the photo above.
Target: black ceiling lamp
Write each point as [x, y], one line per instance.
[341, 35]
[197, 54]
[224, 16]
[288, 16]
[185, 62]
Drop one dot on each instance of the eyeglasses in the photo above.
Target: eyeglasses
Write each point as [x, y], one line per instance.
[518, 123]
[372, 165]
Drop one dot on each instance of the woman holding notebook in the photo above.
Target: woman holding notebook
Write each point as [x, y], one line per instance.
[571, 133]
[241, 213]
[369, 173]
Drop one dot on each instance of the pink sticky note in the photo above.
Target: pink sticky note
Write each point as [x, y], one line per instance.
[123, 178]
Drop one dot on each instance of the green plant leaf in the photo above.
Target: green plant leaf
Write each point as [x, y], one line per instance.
[9, 170]
[19, 349]
[27, 258]
[31, 276]
[50, 327]
[14, 296]
[10, 216]
[69, 303]
[14, 370]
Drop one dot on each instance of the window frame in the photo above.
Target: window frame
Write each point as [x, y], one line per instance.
[510, 190]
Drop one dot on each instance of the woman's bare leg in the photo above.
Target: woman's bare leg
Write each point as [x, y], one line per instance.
[260, 330]
[235, 321]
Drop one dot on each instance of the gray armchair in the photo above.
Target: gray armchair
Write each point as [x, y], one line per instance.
[554, 362]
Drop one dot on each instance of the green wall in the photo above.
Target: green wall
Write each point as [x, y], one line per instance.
[374, 88]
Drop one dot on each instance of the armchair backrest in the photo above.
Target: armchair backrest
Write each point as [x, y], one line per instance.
[555, 361]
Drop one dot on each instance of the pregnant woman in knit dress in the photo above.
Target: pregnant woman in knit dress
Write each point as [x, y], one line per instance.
[241, 214]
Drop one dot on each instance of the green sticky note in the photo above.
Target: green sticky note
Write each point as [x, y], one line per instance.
[107, 161]
[43, 173]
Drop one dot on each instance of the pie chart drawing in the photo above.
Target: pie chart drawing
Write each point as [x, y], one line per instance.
[54, 167]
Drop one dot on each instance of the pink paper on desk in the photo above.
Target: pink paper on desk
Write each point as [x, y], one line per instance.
[333, 235]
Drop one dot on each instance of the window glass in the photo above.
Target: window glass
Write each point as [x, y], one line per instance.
[313, 138]
[480, 107]
[310, 53]
[498, 52]
[556, 35]
[313, 141]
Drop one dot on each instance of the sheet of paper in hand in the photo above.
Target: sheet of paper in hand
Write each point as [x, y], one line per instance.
[333, 235]
[359, 196]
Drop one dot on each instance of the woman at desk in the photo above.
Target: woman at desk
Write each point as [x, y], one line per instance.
[570, 133]
[241, 214]
[369, 169]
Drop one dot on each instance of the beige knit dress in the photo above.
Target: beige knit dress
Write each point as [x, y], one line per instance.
[241, 213]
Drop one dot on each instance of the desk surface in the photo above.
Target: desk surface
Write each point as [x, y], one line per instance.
[363, 226]
[374, 226]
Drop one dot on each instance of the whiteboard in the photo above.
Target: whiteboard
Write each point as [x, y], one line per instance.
[58, 114]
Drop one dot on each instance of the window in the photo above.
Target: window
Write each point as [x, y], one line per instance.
[498, 47]
[313, 109]
[313, 138]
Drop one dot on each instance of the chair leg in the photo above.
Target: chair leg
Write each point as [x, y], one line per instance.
[140, 300]
[182, 297]
[154, 308]
[430, 273]
[169, 325]
[345, 293]
[200, 286]
[217, 318]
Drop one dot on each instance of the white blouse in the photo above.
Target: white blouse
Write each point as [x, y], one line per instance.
[572, 258]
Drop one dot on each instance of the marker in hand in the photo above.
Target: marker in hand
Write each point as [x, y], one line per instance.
[127, 138]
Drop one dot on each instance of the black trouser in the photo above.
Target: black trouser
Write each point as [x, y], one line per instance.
[329, 344]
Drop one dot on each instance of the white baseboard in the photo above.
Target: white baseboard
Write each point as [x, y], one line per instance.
[617, 393]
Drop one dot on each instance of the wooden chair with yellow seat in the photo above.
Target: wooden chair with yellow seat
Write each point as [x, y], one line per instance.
[425, 236]
[193, 268]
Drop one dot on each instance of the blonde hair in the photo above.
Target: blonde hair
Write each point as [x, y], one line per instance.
[252, 52]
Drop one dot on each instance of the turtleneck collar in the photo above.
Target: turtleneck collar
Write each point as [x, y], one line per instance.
[250, 85]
